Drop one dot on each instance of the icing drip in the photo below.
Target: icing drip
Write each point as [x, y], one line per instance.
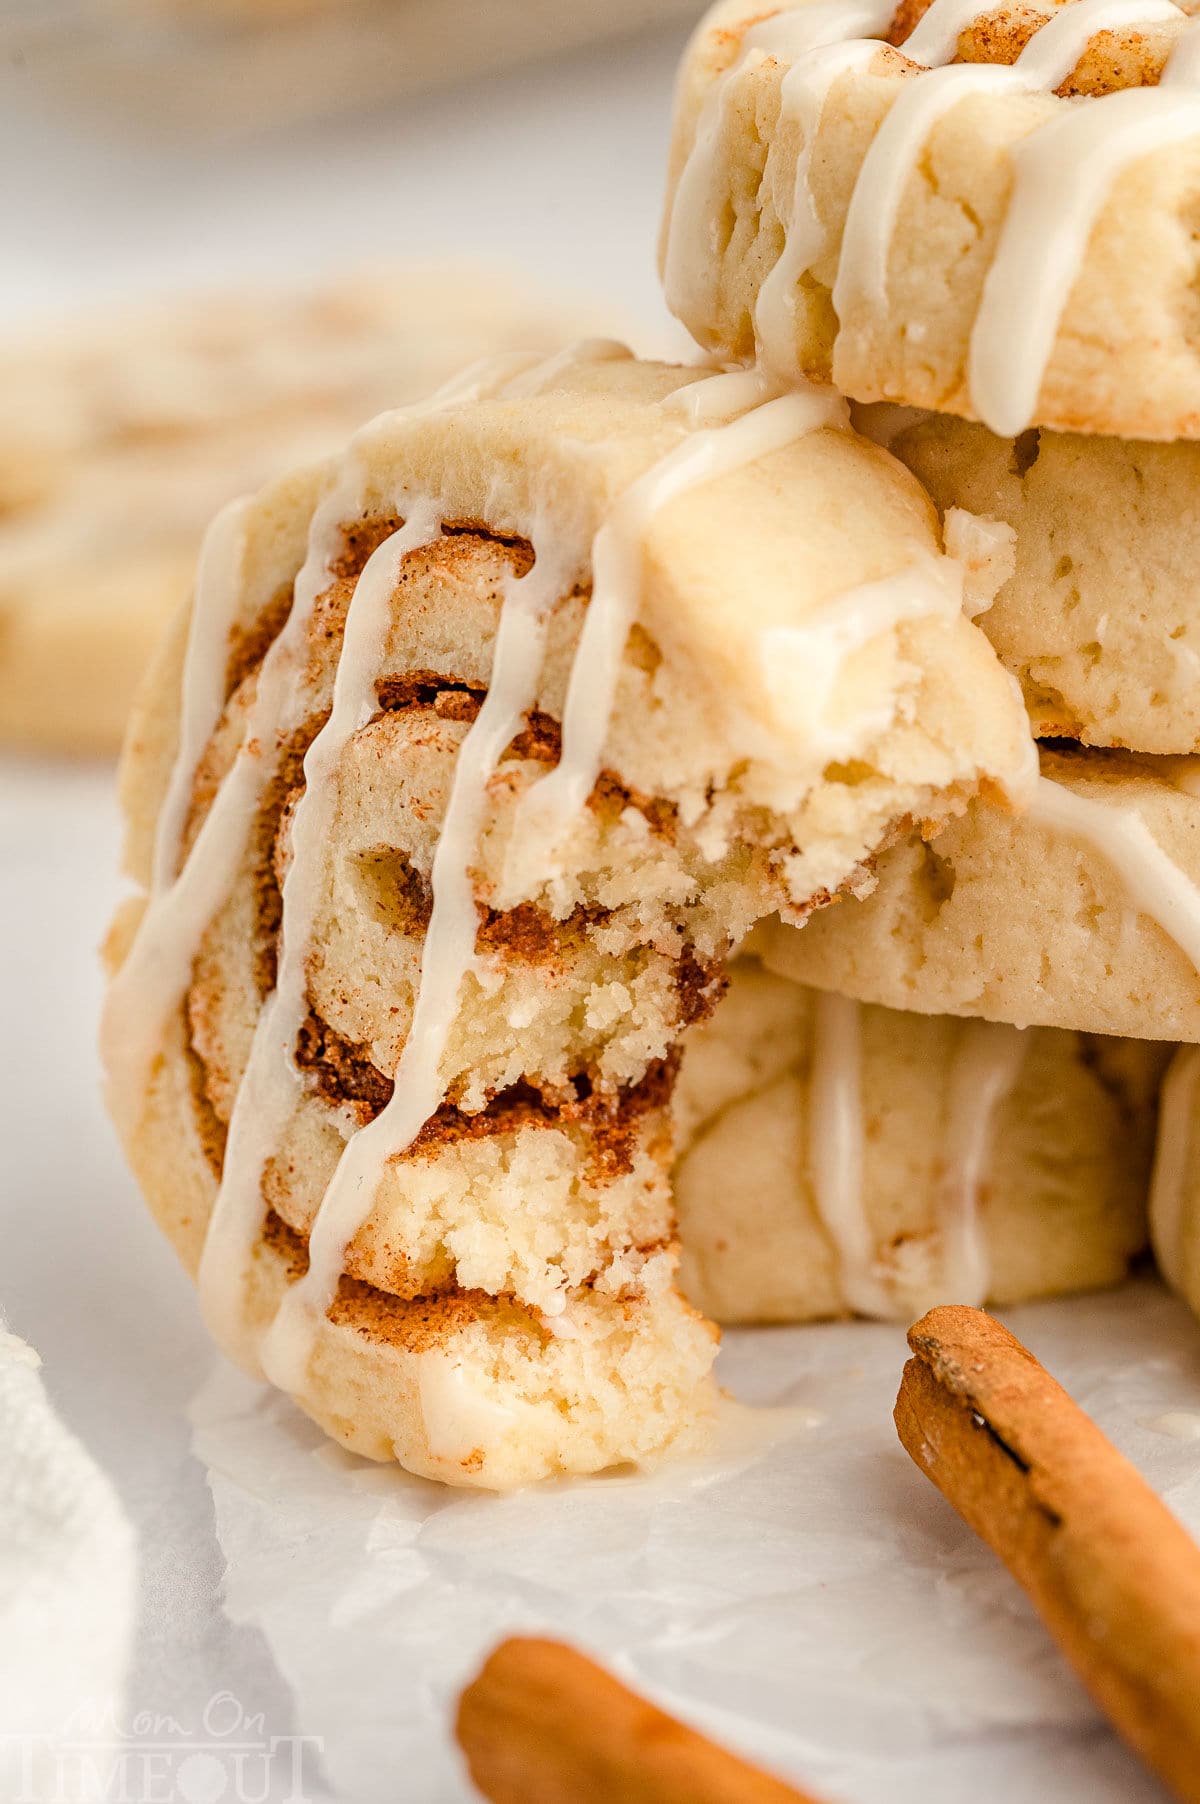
[271, 1085]
[803, 94]
[985, 1069]
[835, 1150]
[1168, 1185]
[447, 959]
[693, 237]
[1063, 174]
[1154, 881]
[693, 234]
[934, 39]
[888, 167]
[206, 660]
[616, 580]
[811, 657]
[152, 981]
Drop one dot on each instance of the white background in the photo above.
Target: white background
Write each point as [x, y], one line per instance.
[820, 1607]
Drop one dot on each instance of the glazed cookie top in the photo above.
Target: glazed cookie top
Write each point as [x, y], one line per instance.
[976, 209]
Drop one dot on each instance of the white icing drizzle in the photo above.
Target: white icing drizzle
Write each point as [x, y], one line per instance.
[1153, 880]
[1169, 1215]
[835, 1150]
[887, 169]
[1063, 171]
[723, 396]
[985, 1069]
[986, 1065]
[1161, 890]
[803, 94]
[1063, 174]
[934, 38]
[154, 976]
[807, 660]
[616, 581]
[204, 675]
[271, 1084]
[447, 959]
[1046, 61]
[692, 247]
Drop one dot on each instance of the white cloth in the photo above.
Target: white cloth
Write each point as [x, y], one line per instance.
[67, 1590]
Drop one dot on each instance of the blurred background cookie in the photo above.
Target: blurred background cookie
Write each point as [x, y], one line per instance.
[241, 65]
[121, 434]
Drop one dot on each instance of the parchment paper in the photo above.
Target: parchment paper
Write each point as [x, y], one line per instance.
[805, 1595]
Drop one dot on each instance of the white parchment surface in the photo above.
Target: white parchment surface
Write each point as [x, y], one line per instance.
[805, 1595]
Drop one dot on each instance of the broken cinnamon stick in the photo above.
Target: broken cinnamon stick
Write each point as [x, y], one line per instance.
[544, 1725]
[1112, 1573]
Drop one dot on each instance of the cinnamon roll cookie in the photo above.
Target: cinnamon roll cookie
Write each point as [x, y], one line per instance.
[981, 209]
[1084, 914]
[1096, 615]
[483, 745]
[120, 437]
[837, 1157]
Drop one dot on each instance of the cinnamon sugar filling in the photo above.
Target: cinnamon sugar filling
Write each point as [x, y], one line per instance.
[343, 1075]
[420, 1323]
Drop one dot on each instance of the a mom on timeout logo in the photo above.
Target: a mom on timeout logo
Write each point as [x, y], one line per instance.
[229, 1757]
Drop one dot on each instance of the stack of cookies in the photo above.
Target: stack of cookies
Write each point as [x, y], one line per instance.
[608, 773]
[985, 234]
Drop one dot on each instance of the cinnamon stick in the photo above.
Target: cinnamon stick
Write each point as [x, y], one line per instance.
[1112, 1573]
[544, 1725]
